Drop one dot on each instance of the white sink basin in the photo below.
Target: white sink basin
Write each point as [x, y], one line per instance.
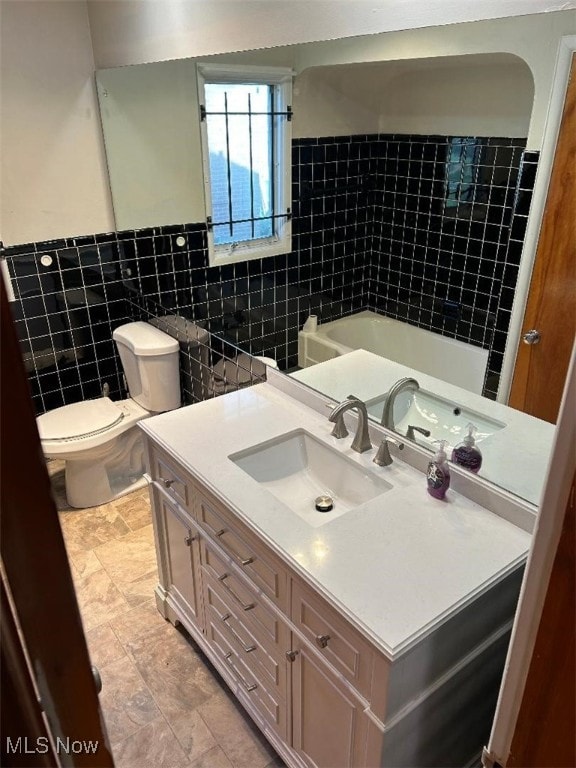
[297, 468]
[446, 420]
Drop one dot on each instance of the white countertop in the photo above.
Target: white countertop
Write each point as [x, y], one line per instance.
[396, 565]
[515, 457]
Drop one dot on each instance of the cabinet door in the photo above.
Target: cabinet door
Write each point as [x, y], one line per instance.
[329, 727]
[179, 557]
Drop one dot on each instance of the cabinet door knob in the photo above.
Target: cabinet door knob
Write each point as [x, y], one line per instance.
[188, 540]
[291, 655]
[322, 640]
[167, 483]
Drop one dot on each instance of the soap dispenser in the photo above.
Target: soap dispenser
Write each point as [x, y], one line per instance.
[438, 472]
[467, 454]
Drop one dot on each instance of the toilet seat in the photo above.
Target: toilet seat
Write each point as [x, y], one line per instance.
[79, 420]
[89, 432]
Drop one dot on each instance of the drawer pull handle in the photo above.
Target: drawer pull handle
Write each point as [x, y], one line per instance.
[245, 648]
[322, 640]
[168, 483]
[221, 532]
[244, 606]
[247, 561]
[291, 655]
[248, 686]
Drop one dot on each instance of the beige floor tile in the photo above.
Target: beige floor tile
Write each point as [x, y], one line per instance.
[243, 744]
[126, 702]
[163, 703]
[130, 557]
[103, 646]
[134, 509]
[131, 564]
[153, 746]
[193, 734]
[174, 671]
[85, 562]
[99, 599]
[87, 528]
[136, 624]
[215, 758]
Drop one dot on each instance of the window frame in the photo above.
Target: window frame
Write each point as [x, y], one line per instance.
[280, 78]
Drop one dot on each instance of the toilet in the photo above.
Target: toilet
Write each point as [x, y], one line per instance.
[99, 439]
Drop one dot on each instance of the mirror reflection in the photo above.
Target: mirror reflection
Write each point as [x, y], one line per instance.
[412, 174]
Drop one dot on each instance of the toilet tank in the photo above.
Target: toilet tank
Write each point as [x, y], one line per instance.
[150, 361]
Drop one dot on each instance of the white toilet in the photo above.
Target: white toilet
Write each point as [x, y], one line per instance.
[99, 439]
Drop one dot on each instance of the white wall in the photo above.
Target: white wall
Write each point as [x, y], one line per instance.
[133, 32]
[534, 39]
[477, 95]
[54, 178]
[53, 168]
[465, 79]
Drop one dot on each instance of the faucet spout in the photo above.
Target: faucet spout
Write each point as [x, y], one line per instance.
[388, 411]
[361, 442]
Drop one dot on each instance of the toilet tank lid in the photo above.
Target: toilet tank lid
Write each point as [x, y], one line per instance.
[143, 339]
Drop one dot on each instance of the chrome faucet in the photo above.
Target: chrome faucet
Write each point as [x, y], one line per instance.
[361, 440]
[388, 411]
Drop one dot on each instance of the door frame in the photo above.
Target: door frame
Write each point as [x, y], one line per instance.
[545, 542]
[566, 48]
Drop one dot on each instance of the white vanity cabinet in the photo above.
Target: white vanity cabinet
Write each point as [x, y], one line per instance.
[319, 688]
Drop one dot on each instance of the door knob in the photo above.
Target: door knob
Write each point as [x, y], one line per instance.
[97, 678]
[531, 337]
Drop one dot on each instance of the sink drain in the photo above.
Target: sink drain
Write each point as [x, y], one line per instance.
[324, 503]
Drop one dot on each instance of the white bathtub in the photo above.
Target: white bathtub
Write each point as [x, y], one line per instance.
[447, 359]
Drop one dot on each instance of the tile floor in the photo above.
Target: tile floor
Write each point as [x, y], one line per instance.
[163, 703]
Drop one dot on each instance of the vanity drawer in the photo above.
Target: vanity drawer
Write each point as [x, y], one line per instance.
[269, 705]
[239, 596]
[267, 663]
[259, 565]
[337, 640]
[170, 477]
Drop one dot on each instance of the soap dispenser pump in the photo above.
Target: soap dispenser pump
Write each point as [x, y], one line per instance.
[467, 454]
[438, 472]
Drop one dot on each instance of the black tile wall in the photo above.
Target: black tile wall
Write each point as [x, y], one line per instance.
[69, 297]
[449, 220]
[428, 229]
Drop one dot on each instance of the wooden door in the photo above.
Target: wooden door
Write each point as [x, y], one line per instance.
[541, 368]
[40, 596]
[545, 733]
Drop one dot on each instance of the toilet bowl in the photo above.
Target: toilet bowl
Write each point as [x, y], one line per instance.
[99, 439]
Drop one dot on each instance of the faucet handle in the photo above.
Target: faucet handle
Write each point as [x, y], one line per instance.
[412, 429]
[339, 430]
[383, 457]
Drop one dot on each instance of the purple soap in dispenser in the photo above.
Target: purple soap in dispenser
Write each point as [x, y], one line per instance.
[438, 473]
[467, 454]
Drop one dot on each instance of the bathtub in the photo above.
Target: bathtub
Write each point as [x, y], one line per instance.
[447, 359]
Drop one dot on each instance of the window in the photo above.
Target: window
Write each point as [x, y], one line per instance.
[246, 147]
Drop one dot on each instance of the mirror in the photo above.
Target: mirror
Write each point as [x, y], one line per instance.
[414, 160]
